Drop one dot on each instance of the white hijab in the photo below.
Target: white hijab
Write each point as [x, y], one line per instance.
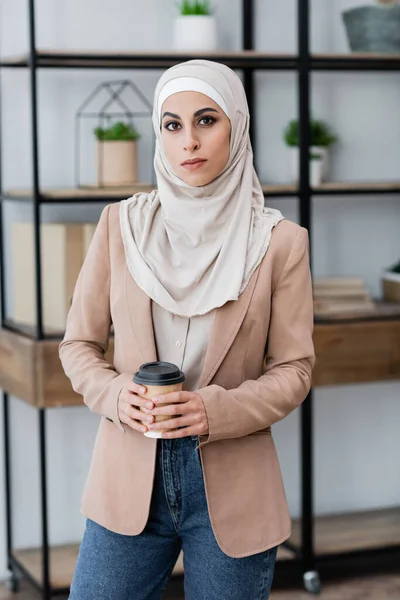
[192, 249]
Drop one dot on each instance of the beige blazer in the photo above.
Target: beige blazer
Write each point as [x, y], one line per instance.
[257, 369]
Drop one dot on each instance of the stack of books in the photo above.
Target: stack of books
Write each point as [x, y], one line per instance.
[334, 296]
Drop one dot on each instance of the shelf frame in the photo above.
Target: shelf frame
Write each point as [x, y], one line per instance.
[31, 370]
[289, 561]
[250, 61]
[242, 59]
[245, 59]
[278, 190]
[355, 62]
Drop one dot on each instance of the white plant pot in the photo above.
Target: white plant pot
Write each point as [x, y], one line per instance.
[323, 164]
[195, 33]
[316, 167]
[116, 163]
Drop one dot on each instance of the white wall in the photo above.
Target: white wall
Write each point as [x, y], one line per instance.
[356, 436]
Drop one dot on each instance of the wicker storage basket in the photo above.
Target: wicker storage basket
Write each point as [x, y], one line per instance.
[373, 28]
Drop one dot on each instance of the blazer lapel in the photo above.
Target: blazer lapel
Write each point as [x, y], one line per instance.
[227, 322]
[139, 310]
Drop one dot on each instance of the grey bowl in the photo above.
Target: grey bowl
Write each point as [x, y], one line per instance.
[373, 28]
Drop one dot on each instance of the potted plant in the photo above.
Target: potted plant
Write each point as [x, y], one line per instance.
[321, 139]
[316, 165]
[373, 28]
[195, 29]
[391, 283]
[116, 154]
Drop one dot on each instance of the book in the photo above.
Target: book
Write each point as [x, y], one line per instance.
[62, 254]
[336, 295]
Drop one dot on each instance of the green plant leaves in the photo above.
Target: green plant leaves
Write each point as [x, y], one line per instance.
[321, 134]
[195, 7]
[118, 132]
[395, 268]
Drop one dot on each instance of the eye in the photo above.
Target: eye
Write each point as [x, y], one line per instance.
[172, 125]
[207, 121]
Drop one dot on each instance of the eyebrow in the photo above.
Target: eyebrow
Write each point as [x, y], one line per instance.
[198, 113]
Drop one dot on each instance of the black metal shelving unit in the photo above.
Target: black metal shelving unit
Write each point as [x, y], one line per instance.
[304, 561]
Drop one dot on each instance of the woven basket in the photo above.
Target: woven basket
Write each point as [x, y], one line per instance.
[373, 28]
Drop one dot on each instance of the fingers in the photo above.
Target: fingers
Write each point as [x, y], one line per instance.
[169, 409]
[177, 405]
[137, 415]
[130, 397]
[134, 418]
[180, 433]
[173, 423]
[133, 424]
[134, 400]
[136, 388]
[174, 397]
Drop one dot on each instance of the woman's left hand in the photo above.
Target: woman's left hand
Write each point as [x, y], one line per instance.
[189, 406]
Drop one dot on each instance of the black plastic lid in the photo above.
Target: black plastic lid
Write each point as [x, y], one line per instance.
[159, 373]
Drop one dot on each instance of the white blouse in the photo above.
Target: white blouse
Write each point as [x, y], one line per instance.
[182, 341]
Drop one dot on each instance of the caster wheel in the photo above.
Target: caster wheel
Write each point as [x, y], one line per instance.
[312, 582]
[12, 583]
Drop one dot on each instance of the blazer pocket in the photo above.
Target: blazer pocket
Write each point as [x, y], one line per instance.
[107, 418]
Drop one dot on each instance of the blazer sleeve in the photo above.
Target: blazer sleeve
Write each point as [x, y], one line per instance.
[82, 351]
[288, 363]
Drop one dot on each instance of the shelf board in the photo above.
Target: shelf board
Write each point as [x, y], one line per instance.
[63, 559]
[162, 59]
[150, 59]
[357, 187]
[336, 188]
[381, 311]
[334, 534]
[356, 61]
[113, 194]
[62, 564]
[82, 194]
[355, 351]
[352, 532]
[95, 194]
[279, 189]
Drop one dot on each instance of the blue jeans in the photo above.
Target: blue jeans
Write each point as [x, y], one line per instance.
[111, 566]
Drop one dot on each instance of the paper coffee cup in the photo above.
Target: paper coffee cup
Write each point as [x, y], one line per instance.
[159, 378]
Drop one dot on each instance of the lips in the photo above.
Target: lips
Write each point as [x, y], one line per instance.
[193, 163]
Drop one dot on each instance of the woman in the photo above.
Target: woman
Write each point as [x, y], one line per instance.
[199, 274]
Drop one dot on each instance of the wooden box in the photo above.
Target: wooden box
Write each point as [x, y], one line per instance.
[391, 287]
[357, 352]
[31, 370]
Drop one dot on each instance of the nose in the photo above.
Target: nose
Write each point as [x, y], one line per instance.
[191, 142]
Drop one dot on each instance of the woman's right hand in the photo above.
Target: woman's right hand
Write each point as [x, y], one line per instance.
[129, 404]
